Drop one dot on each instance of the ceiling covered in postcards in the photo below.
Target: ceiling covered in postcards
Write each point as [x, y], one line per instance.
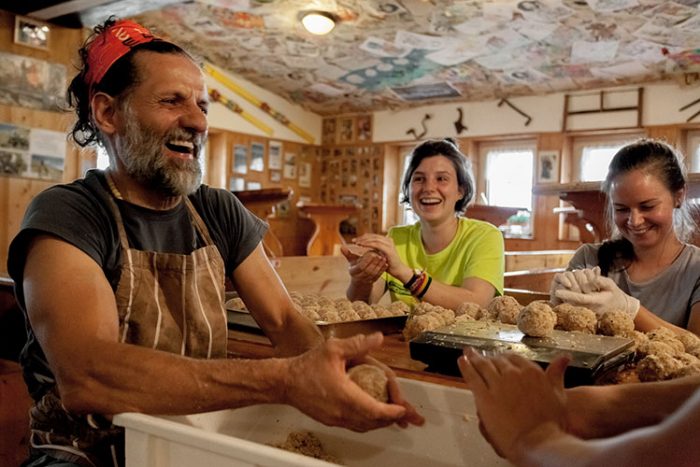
[401, 53]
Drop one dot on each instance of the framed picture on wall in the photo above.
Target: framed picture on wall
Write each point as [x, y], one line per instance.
[236, 184]
[305, 174]
[240, 158]
[257, 157]
[290, 166]
[547, 167]
[31, 33]
[275, 155]
[275, 176]
[346, 130]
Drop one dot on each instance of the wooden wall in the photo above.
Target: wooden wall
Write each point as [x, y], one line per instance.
[16, 192]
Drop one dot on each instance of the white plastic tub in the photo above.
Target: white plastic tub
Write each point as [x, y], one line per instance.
[450, 436]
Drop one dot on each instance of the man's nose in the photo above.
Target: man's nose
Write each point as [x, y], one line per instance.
[194, 119]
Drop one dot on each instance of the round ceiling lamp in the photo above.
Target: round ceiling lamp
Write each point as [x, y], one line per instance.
[318, 22]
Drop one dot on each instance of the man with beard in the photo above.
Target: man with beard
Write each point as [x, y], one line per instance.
[121, 274]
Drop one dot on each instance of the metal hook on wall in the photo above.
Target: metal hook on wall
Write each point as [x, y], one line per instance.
[459, 126]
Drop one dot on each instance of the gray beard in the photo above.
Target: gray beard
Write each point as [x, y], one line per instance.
[142, 155]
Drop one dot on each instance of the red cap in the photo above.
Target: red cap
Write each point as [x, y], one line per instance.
[111, 45]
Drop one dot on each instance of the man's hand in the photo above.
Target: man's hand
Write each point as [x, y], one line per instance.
[608, 297]
[515, 399]
[318, 385]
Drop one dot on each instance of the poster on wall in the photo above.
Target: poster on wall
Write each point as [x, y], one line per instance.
[257, 154]
[275, 155]
[290, 166]
[548, 167]
[32, 152]
[47, 151]
[28, 82]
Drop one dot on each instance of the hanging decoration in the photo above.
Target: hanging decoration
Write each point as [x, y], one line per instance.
[265, 107]
[507, 102]
[216, 96]
[415, 134]
[459, 126]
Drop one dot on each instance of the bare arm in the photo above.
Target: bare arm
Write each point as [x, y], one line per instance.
[73, 313]
[646, 321]
[521, 409]
[590, 409]
[449, 296]
[268, 301]
[675, 441]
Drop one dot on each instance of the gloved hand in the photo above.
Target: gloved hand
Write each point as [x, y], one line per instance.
[579, 280]
[608, 297]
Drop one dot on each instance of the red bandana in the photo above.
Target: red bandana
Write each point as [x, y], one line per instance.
[112, 44]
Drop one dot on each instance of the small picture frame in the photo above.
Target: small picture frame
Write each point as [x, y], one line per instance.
[346, 130]
[547, 167]
[32, 33]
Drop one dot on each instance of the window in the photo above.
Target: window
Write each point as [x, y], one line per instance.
[504, 180]
[509, 177]
[693, 146]
[592, 155]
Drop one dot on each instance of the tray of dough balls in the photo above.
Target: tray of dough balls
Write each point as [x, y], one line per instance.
[538, 332]
[335, 317]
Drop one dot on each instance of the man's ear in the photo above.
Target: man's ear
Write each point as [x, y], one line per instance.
[104, 113]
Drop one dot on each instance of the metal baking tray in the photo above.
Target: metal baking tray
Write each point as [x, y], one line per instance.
[243, 321]
[591, 355]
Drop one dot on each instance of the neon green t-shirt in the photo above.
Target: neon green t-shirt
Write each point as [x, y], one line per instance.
[476, 251]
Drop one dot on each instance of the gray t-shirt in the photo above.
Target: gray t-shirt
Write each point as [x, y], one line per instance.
[669, 295]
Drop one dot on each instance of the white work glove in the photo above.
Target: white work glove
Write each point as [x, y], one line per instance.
[608, 297]
[580, 280]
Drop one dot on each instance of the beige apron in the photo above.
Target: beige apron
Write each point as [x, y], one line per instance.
[166, 301]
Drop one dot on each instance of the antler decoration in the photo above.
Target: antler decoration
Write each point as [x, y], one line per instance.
[507, 102]
[459, 126]
[425, 128]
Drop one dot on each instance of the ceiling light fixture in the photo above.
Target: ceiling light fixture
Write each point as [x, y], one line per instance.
[317, 22]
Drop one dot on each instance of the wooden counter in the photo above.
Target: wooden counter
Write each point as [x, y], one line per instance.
[394, 353]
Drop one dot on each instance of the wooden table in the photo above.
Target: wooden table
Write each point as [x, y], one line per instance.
[262, 203]
[394, 352]
[326, 219]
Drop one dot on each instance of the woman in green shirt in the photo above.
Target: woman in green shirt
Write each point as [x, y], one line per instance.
[444, 258]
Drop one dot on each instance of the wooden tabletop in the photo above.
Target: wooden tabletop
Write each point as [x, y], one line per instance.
[394, 352]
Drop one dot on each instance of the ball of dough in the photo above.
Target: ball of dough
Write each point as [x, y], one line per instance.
[504, 308]
[615, 323]
[537, 319]
[399, 308]
[668, 337]
[470, 309]
[576, 318]
[658, 367]
[372, 380]
[688, 339]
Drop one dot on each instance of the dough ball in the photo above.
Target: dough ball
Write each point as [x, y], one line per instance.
[473, 310]
[654, 348]
[688, 339]
[688, 370]
[658, 367]
[639, 339]
[399, 308]
[668, 337]
[615, 323]
[537, 319]
[504, 308]
[307, 444]
[236, 304]
[421, 323]
[372, 380]
[576, 318]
